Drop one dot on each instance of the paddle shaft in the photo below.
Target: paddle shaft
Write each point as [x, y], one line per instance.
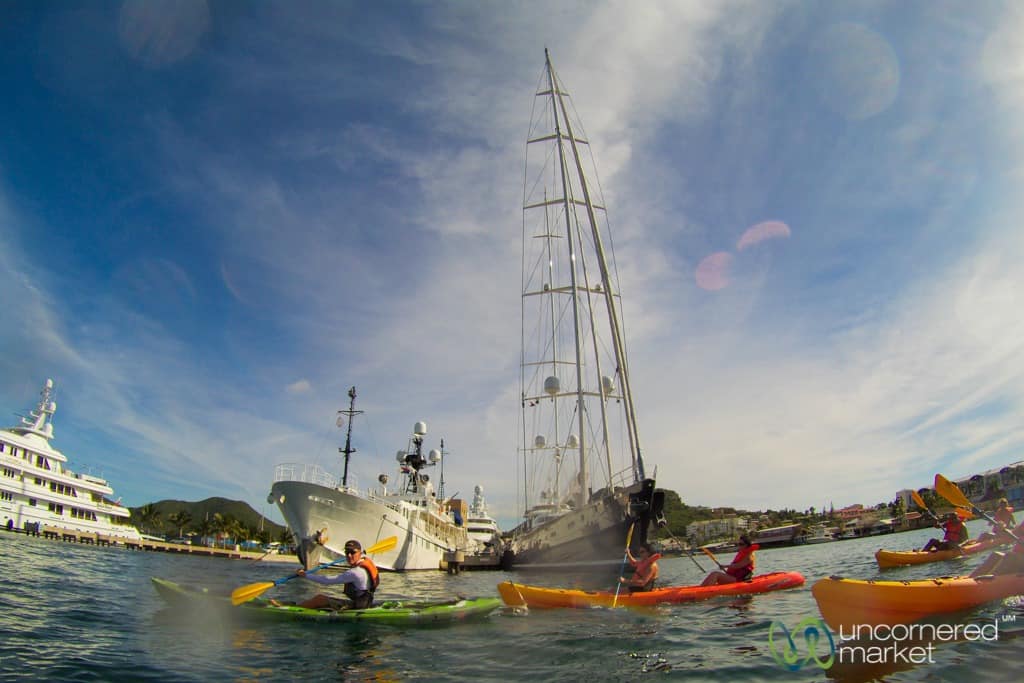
[625, 558]
[954, 495]
[689, 551]
[713, 558]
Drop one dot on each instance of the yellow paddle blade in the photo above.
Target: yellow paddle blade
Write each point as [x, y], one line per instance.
[918, 500]
[948, 490]
[247, 593]
[964, 514]
[712, 556]
[383, 545]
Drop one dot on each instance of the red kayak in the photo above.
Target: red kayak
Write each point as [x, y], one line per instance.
[517, 594]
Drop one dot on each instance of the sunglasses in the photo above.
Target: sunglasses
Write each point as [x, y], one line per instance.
[351, 552]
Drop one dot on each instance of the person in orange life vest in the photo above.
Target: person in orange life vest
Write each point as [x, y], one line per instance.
[740, 569]
[645, 569]
[955, 535]
[1004, 520]
[360, 581]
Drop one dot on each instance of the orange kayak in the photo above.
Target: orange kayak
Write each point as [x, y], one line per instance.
[847, 603]
[897, 558]
[517, 594]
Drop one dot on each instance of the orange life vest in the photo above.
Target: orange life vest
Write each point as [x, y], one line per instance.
[363, 599]
[743, 572]
[643, 578]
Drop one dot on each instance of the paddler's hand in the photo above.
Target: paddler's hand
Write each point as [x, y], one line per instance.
[300, 572]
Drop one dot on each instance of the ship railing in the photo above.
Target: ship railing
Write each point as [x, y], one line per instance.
[305, 473]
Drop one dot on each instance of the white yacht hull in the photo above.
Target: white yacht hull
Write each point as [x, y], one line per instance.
[422, 540]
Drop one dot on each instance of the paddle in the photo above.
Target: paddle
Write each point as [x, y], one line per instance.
[689, 551]
[713, 558]
[921, 504]
[625, 558]
[254, 590]
[948, 490]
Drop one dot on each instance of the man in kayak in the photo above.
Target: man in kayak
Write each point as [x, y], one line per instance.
[740, 569]
[955, 535]
[645, 569]
[360, 581]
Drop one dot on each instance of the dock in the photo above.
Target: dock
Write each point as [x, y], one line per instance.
[86, 538]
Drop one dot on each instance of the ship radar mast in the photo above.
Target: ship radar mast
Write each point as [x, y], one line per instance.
[348, 450]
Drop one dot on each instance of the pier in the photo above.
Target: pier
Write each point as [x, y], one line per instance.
[86, 538]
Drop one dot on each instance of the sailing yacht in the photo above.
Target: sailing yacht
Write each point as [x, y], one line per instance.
[584, 485]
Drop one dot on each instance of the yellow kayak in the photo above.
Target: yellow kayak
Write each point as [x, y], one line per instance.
[536, 596]
[846, 603]
[898, 558]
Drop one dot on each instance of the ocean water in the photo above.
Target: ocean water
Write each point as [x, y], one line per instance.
[77, 613]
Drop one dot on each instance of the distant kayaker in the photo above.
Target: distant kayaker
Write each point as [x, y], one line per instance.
[740, 569]
[645, 569]
[360, 580]
[955, 535]
[1002, 520]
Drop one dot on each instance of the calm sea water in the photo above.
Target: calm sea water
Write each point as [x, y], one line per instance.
[75, 613]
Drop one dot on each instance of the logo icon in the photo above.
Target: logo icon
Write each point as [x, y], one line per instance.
[815, 635]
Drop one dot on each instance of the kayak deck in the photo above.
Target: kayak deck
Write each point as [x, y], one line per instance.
[517, 594]
[847, 603]
[398, 612]
[888, 559]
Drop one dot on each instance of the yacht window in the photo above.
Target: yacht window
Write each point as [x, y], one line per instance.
[32, 502]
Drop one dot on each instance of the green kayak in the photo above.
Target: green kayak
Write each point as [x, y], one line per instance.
[398, 612]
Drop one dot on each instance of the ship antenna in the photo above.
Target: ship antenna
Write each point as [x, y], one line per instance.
[348, 450]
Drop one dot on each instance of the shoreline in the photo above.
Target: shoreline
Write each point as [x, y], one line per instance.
[98, 540]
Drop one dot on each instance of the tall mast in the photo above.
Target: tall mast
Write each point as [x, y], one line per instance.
[574, 293]
[351, 413]
[558, 104]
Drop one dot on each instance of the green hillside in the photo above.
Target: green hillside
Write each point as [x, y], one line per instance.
[233, 518]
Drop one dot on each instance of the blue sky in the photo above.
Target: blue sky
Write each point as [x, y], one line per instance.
[215, 218]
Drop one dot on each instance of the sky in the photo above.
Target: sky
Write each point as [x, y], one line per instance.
[216, 217]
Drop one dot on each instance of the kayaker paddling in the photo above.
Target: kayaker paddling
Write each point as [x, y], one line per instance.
[360, 582]
[740, 569]
[645, 569]
[955, 534]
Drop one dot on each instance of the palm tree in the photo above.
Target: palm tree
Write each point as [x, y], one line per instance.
[148, 518]
[205, 528]
[181, 520]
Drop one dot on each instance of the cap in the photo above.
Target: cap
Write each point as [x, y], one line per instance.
[353, 545]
